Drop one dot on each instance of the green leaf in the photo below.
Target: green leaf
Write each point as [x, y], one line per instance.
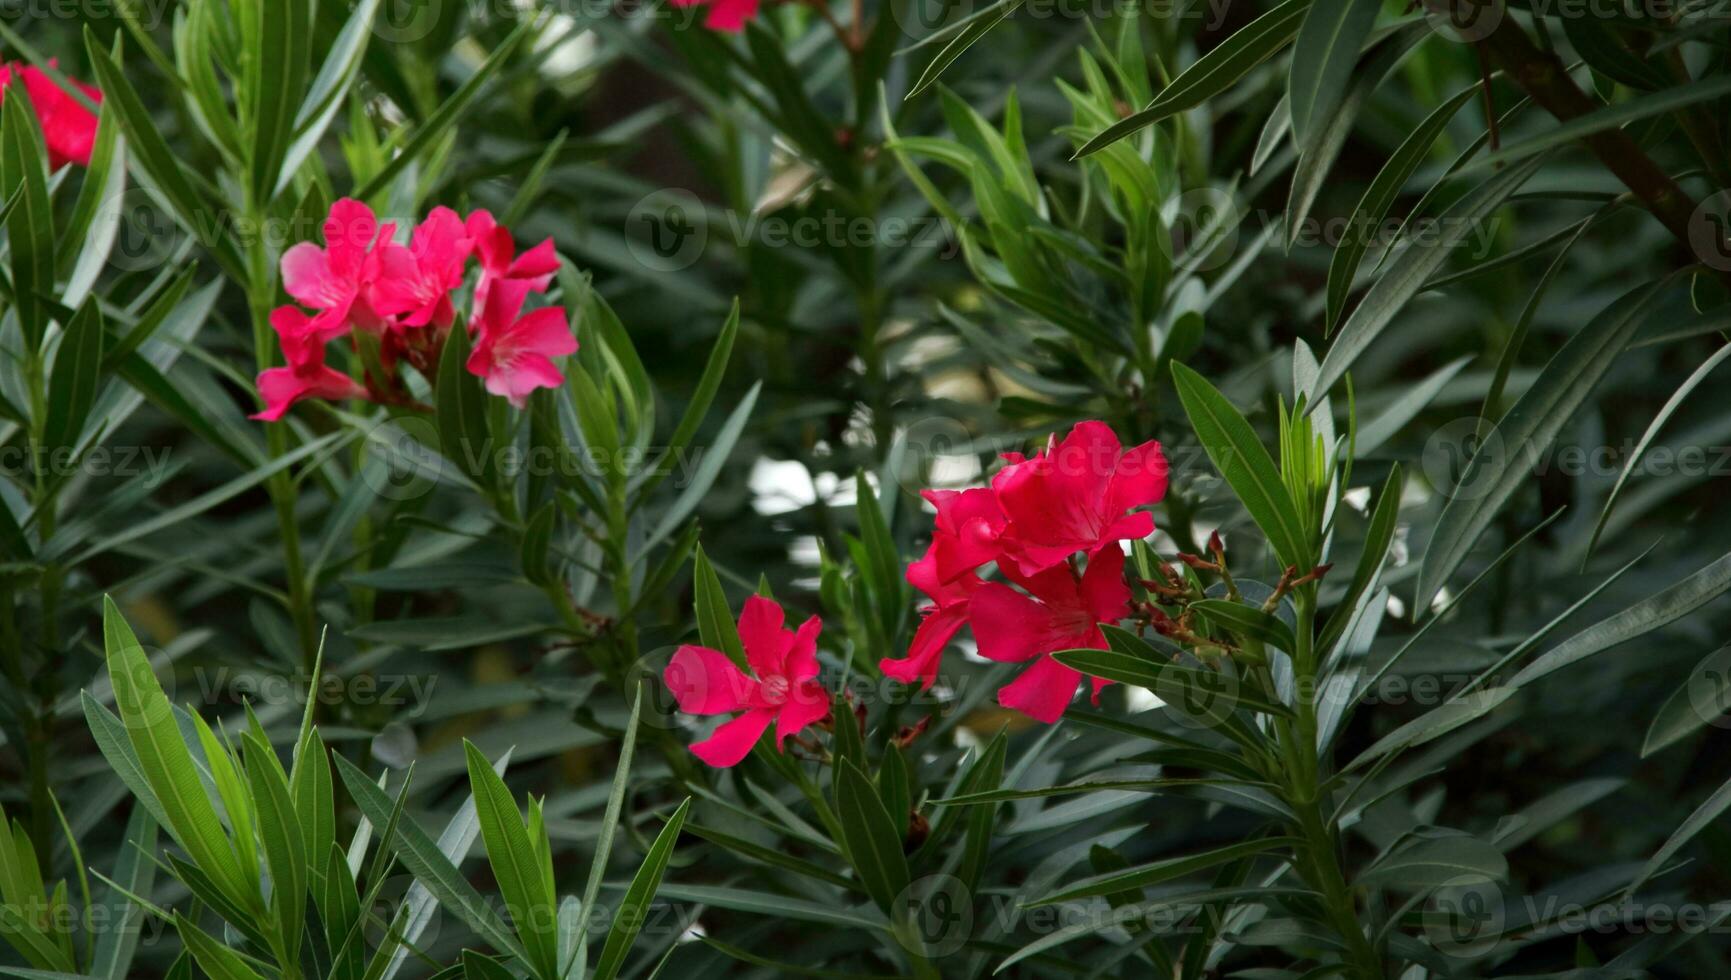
[715, 624]
[85, 242]
[701, 398]
[1217, 690]
[1703, 817]
[165, 761]
[1503, 460]
[516, 864]
[1323, 57]
[537, 538]
[75, 379]
[1696, 703]
[161, 164]
[1167, 869]
[1245, 464]
[329, 89]
[1659, 609]
[446, 115]
[30, 226]
[1377, 538]
[1374, 205]
[974, 27]
[873, 845]
[1606, 118]
[427, 863]
[1433, 862]
[1389, 296]
[633, 909]
[278, 50]
[1211, 74]
[214, 957]
[134, 872]
[1247, 621]
[460, 408]
[284, 846]
[1437, 722]
[1670, 407]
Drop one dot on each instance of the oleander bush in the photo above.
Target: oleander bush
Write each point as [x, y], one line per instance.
[887, 488]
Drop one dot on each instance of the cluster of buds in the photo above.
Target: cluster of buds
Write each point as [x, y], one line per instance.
[1170, 588]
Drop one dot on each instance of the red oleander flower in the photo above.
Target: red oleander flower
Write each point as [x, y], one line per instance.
[306, 375]
[337, 280]
[724, 15]
[499, 259]
[946, 614]
[781, 688]
[414, 284]
[514, 354]
[68, 128]
[1061, 612]
[1077, 496]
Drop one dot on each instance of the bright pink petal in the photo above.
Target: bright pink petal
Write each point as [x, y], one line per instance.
[1138, 480]
[350, 229]
[307, 276]
[734, 741]
[1043, 691]
[927, 649]
[766, 643]
[730, 15]
[800, 663]
[68, 129]
[1104, 593]
[281, 388]
[705, 682]
[1008, 626]
[806, 705]
[538, 265]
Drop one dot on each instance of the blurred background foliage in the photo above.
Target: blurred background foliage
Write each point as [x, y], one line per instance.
[998, 289]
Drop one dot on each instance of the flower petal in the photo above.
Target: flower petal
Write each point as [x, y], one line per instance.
[927, 648]
[1008, 626]
[765, 642]
[734, 741]
[1043, 691]
[806, 705]
[705, 682]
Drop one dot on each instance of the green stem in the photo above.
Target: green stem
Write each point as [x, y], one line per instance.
[1320, 862]
[281, 487]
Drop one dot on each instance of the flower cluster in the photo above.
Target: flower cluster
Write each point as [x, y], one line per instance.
[68, 128]
[782, 687]
[395, 303]
[1052, 525]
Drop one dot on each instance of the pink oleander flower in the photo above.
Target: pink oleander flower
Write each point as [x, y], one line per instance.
[1077, 496]
[1061, 612]
[414, 284]
[337, 280]
[724, 15]
[941, 619]
[306, 375]
[514, 354]
[497, 251]
[68, 128]
[967, 531]
[781, 688]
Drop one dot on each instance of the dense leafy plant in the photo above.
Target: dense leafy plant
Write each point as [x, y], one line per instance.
[862, 489]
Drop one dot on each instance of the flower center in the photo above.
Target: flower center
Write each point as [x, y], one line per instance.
[775, 690]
